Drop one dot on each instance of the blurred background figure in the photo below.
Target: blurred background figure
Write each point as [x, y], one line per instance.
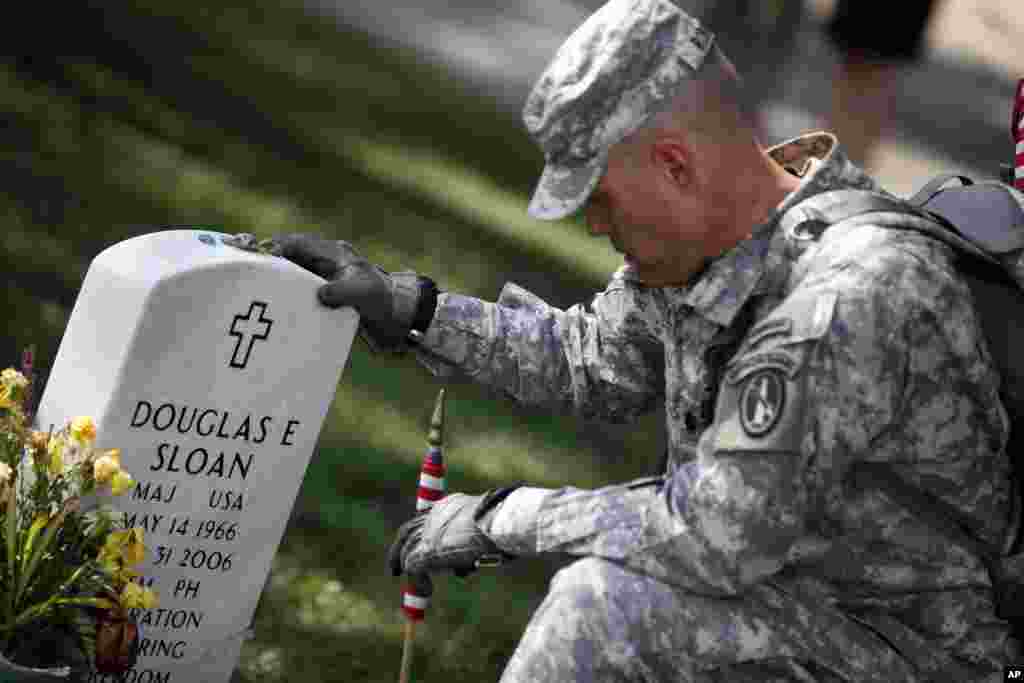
[760, 37]
[874, 47]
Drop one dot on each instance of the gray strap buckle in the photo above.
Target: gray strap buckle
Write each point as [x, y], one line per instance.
[488, 561]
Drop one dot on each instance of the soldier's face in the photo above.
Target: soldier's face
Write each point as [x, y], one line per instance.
[654, 207]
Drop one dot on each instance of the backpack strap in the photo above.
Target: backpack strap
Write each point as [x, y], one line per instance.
[842, 210]
[935, 185]
[985, 219]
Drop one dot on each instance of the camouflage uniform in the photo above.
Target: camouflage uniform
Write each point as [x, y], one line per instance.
[757, 555]
[754, 556]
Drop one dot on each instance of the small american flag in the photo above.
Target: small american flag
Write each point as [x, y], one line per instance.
[432, 485]
[431, 489]
[1017, 128]
[413, 604]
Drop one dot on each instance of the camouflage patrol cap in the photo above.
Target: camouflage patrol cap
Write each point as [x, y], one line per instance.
[606, 79]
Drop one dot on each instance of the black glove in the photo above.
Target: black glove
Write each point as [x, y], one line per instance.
[447, 536]
[389, 304]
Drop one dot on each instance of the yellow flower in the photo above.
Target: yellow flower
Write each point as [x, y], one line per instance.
[56, 445]
[135, 548]
[83, 430]
[12, 379]
[107, 465]
[131, 595]
[56, 451]
[126, 545]
[134, 595]
[112, 553]
[150, 599]
[116, 539]
[5, 398]
[121, 482]
[124, 575]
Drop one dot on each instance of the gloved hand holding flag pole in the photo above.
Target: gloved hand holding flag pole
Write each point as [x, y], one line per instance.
[416, 592]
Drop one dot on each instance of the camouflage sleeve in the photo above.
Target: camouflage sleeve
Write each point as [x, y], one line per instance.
[812, 388]
[602, 361]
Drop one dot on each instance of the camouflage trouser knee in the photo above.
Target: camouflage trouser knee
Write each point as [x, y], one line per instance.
[601, 622]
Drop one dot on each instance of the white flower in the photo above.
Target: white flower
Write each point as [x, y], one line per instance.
[107, 465]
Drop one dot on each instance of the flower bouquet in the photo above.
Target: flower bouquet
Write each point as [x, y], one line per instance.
[66, 566]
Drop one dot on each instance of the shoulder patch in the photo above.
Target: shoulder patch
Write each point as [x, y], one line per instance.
[762, 401]
[761, 405]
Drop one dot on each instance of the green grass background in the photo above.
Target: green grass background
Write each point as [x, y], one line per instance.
[264, 120]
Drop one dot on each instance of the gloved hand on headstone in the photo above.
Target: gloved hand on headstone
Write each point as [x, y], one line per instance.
[389, 304]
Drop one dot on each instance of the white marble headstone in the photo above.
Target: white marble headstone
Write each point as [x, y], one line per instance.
[212, 369]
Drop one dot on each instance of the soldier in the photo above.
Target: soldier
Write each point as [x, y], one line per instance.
[787, 356]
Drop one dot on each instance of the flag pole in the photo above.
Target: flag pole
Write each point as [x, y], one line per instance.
[431, 489]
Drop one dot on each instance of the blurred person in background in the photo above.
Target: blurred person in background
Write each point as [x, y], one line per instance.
[875, 48]
[760, 37]
[788, 358]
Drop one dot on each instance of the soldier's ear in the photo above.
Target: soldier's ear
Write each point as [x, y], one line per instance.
[673, 157]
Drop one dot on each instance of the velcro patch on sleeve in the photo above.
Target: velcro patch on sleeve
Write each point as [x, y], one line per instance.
[800, 319]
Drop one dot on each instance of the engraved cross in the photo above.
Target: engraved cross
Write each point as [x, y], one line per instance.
[244, 329]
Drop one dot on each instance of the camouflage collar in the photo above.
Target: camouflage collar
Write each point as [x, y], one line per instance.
[760, 264]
